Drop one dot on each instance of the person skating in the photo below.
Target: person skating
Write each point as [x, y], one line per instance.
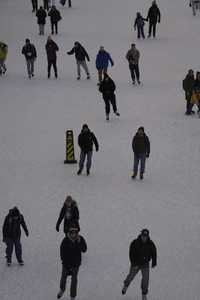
[69, 213]
[81, 55]
[29, 51]
[141, 251]
[153, 17]
[195, 99]
[86, 139]
[133, 56]
[102, 61]
[139, 25]
[3, 56]
[141, 150]
[41, 19]
[51, 49]
[55, 17]
[107, 88]
[12, 234]
[71, 249]
[188, 85]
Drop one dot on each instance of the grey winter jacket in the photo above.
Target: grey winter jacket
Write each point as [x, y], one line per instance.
[133, 56]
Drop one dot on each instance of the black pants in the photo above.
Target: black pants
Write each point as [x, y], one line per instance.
[11, 243]
[73, 272]
[54, 26]
[52, 63]
[152, 26]
[46, 4]
[34, 5]
[110, 98]
[140, 32]
[69, 3]
[134, 69]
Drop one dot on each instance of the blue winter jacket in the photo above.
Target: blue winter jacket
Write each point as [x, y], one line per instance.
[103, 59]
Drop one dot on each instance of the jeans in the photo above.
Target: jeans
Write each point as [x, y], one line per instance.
[73, 272]
[140, 32]
[84, 65]
[152, 26]
[139, 158]
[41, 29]
[10, 243]
[30, 66]
[145, 277]
[110, 98]
[52, 63]
[134, 70]
[82, 160]
[54, 25]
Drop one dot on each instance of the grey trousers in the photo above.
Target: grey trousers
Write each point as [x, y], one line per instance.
[73, 272]
[30, 66]
[145, 277]
[41, 29]
[84, 66]
[82, 160]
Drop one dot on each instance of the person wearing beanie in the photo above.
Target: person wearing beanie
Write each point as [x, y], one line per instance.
[71, 249]
[81, 55]
[107, 88]
[29, 51]
[69, 213]
[141, 150]
[12, 234]
[86, 139]
[141, 251]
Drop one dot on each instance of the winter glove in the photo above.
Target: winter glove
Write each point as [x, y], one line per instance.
[153, 265]
[57, 228]
[68, 53]
[97, 149]
[190, 4]
[147, 155]
[88, 59]
[27, 233]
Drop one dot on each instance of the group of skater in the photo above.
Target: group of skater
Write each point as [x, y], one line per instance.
[142, 250]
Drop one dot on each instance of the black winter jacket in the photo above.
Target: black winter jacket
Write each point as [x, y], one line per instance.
[51, 49]
[41, 16]
[12, 226]
[29, 51]
[188, 85]
[86, 139]
[154, 14]
[107, 87]
[80, 53]
[70, 252]
[70, 215]
[141, 253]
[141, 144]
[196, 87]
[54, 15]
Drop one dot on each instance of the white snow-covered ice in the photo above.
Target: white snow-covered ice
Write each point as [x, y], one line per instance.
[34, 115]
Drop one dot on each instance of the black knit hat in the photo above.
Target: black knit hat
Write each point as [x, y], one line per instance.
[145, 232]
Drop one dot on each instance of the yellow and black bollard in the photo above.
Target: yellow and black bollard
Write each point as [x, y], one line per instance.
[70, 155]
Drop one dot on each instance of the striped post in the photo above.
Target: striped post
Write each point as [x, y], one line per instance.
[70, 155]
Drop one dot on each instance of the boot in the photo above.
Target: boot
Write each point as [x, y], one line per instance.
[60, 294]
[134, 175]
[124, 290]
[141, 176]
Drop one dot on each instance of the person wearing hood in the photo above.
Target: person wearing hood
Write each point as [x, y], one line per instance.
[81, 55]
[71, 249]
[139, 25]
[102, 60]
[41, 19]
[12, 234]
[107, 88]
[153, 17]
[30, 54]
[188, 85]
[141, 150]
[86, 139]
[55, 17]
[51, 49]
[141, 251]
[69, 213]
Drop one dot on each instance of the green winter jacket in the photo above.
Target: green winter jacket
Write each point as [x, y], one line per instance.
[3, 50]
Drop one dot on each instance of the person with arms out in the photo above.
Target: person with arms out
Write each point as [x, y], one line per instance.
[141, 150]
[133, 56]
[153, 17]
[142, 250]
[86, 139]
[29, 51]
[81, 55]
[41, 19]
[71, 249]
[107, 88]
[3, 56]
[51, 49]
[188, 85]
[102, 60]
[12, 234]
[69, 213]
[55, 17]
